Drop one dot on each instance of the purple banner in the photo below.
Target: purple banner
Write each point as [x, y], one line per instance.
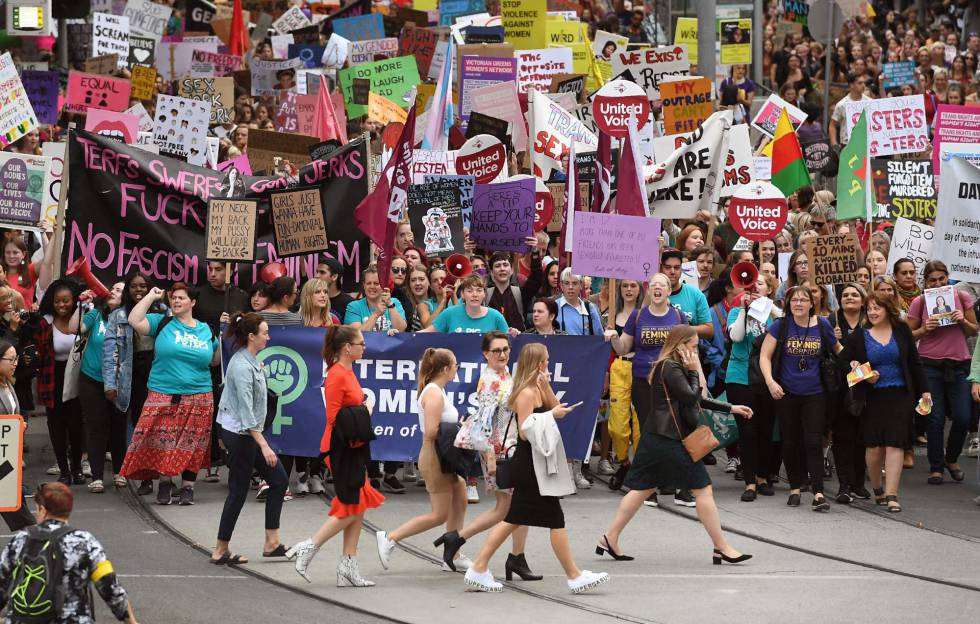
[503, 215]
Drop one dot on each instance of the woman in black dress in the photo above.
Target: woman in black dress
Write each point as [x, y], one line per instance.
[661, 460]
[537, 490]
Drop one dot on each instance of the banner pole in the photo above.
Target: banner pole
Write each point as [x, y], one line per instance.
[611, 294]
[58, 237]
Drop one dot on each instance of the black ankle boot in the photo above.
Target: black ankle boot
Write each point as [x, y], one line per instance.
[451, 542]
[616, 481]
[517, 564]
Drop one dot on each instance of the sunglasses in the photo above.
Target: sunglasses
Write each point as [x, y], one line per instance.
[399, 270]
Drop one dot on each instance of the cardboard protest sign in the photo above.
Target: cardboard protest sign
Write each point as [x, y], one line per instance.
[652, 65]
[231, 230]
[142, 51]
[911, 240]
[898, 74]
[767, 117]
[292, 19]
[384, 111]
[435, 214]
[110, 35]
[483, 157]
[205, 64]
[686, 32]
[267, 147]
[958, 220]
[22, 189]
[954, 124]
[430, 162]
[485, 124]
[144, 83]
[360, 28]
[478, 72]
[180, 127]
[524, 23]
[91, 91]
[616, 246]
[686, 104]
[896, 125]
[536, 68]
[503, 215]
[42, 93]
[903, 189]
[147, 19]
[299, 223]
[101, 65]
[500, 101]
[833, 259]
[736, 45]
[371, 50]
[220, 92]
[273, 77]
[420, 43]
[390, 78]
[758, 211]
[119, 126]
[569, 83]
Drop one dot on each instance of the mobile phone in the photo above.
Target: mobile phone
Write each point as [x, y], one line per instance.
[574, 405]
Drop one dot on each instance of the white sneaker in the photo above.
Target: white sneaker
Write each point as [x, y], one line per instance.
[315, 484]
[410, 473]
[462, 562]
[385, 546]
[481, 582]
[472, 495]
[973, 450]
[587, 580]
[581, 482]
[263, 491]
[96, 487]
[733, 465]
[302, 487]
[86, 468]
[605, 468]
[303, 553]
[53, 470]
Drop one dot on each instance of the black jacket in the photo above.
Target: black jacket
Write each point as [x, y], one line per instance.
[854, 349]
[349, 463]
[684, 389]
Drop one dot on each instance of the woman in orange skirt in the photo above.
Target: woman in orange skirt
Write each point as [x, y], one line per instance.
[342, 346]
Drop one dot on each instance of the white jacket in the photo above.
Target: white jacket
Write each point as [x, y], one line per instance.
[548, 450]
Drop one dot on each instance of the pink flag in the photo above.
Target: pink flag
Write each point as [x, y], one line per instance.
[571, 204]
[603, 163]
[631, 197]
[325, 124]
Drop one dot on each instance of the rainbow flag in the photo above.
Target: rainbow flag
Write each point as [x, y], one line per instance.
[789, 170]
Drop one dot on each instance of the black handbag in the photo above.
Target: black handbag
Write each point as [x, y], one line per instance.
[505, 477]
[829, 372]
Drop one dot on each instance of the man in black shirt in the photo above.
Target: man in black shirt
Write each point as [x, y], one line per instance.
[504, 296]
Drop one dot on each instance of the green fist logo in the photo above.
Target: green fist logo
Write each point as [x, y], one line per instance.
[286, 375]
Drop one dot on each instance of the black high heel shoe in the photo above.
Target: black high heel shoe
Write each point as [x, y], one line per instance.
[599, 550]
[517, 564]
[451, 542]
[717, 557]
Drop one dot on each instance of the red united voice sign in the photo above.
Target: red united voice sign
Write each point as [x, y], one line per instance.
[615, 103]
[544, 205]
[482, 157]
[758, 211]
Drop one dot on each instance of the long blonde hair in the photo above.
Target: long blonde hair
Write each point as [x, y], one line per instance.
[308, 310]
[433, 361]
[526, 376]
[678, 335]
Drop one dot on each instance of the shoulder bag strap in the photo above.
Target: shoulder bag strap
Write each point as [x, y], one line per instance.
[670, 405]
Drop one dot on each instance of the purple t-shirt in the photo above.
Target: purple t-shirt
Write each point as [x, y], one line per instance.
[649, 335]
[942, 343]
[802, 344]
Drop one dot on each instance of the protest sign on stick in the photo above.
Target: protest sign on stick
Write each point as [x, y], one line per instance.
[503, 215]
[299, 224]
[911, 240]
[231, 230]
[833, 259]
[616, 246]
[435, 213]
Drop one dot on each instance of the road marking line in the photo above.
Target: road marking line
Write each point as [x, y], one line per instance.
[736, 575]
[184, 576]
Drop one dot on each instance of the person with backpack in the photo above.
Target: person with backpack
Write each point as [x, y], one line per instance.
[173, 435]
[504, 295]
[49, 567]
[576, 316]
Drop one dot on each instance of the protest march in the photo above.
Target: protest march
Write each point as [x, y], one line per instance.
[507, 250]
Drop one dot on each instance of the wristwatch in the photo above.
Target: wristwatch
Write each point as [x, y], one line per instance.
[391, 305]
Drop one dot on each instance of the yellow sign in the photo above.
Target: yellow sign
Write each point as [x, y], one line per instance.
[563, 33]
[384, 111]
[525, 23]
[425, 5]
[687, 32]
[736, 44]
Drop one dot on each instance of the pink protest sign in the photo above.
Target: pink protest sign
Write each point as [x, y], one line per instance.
[615, 246]
[239, 162]
[500, 101]
[954, 124]
[87, 91]
[119, 126]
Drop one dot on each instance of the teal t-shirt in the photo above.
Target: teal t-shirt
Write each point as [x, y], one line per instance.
[455, 320]
[182, 357]
[92, 358]
[358, 311]
[738, 359]
[693, 303]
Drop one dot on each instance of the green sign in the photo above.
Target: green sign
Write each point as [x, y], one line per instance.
[390, 78]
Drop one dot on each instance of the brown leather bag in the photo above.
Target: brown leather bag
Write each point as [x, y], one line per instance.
[701, 441]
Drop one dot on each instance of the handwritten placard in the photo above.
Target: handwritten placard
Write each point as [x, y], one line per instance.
[231, 230]
[220, 92]
[144, 83]
[615, 246]
[42, 92]
[297, 217]
[833, 259]
[384, 111]
[503, 215]
[103, 65]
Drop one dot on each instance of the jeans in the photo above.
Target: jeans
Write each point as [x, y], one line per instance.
[801, 426]
[754, 434]
[105, 427]
[950, 394]
[244, 455]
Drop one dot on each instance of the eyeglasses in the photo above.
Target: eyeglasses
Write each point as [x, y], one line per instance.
[499, 352]
[13, 359]
[399, 270]
[800, 301]
[801, 263]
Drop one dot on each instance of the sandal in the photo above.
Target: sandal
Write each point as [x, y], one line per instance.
[893, 505]
[229, 559]
[880, 496]
[278, 551]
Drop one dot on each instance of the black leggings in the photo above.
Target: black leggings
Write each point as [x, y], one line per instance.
[65, 427]
[801, 428]
[848, 447]
[105, 427]
[244, 456]
[754, 434]
[142, 360]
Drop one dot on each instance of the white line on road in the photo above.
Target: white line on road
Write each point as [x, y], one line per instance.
[184, 576]
[817, 577]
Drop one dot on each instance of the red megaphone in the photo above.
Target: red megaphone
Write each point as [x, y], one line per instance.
[458, 266]
[744, 275]
[269, 272]
[81, 269]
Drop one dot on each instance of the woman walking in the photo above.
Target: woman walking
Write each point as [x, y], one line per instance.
[886, 400]
[791, 361]
[623, 424]
[242, 415]
[173, 435]
[539, 472]
[493, 392]
[345, 441]
[447, 491]
[661, 460]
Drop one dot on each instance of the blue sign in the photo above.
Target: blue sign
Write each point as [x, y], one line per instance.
[449, 10]
[898, 74]
[310, 54]
[360, 27]
[294, 370]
